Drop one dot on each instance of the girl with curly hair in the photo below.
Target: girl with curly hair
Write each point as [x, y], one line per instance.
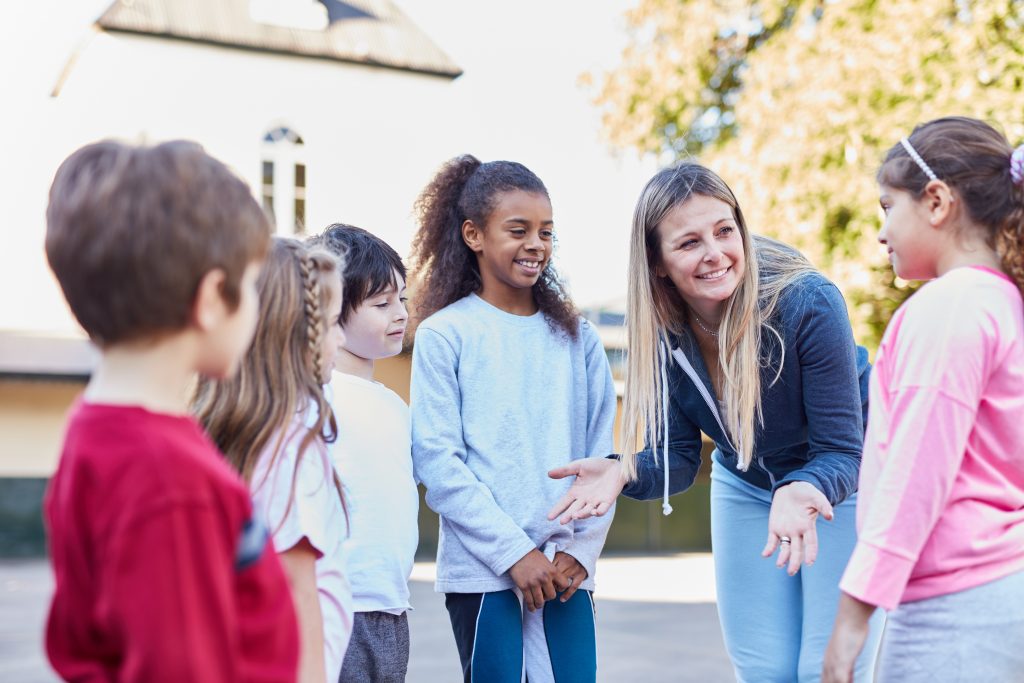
[507, 379]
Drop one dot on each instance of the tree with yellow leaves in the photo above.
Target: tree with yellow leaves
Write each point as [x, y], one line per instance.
[794, 102]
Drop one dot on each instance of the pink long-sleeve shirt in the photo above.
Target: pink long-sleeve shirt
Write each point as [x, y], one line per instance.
[941, 502]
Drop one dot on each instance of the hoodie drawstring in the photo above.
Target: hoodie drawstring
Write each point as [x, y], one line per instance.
[666, 509]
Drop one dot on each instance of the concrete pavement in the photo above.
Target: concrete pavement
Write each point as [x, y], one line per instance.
[656, 623]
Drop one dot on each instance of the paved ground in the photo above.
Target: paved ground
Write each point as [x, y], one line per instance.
[656, 623]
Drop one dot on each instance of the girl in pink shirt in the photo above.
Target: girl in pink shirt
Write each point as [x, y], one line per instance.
[941, 509]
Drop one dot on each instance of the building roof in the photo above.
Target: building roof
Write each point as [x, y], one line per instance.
[42, 356]
[371, 32]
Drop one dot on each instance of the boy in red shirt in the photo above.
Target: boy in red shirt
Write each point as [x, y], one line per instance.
[162, 573]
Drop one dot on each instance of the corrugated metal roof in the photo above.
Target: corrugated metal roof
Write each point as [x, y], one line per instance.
[372, 32]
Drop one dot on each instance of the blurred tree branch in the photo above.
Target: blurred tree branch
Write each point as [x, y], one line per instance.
[794, 102]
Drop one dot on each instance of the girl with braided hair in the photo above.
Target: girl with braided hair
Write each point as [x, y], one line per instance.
[941, 510]
[273, 421]
[507, 380]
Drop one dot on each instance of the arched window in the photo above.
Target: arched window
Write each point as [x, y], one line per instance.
[284, 180]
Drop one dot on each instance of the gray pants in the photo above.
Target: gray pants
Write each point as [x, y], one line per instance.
[379, 649]
[973, 635]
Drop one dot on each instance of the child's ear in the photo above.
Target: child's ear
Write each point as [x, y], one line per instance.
[939, 200]
[209, 307]
[472, 236]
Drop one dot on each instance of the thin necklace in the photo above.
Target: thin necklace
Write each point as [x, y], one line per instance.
[713, 333]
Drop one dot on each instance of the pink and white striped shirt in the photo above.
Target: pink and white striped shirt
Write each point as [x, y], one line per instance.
[941, 502]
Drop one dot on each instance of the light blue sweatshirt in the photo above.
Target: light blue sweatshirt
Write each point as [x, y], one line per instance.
[498, 400]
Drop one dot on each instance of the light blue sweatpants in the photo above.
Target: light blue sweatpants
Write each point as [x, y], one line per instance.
[776, 626]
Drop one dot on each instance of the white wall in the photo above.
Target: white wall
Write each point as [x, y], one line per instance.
[369, 137]
[374, 136]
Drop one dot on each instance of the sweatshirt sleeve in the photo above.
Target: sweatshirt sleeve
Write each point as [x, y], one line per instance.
[589, 534]
[831, 396]
[928, 426]
[684, 446]
[439, 459]
[939, 368]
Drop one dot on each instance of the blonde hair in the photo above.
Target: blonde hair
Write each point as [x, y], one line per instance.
[281, 373]
[655, 311]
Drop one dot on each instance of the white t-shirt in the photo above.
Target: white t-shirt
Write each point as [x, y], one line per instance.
[374, 459]
[316, 514]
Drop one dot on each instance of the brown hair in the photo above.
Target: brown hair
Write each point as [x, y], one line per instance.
[445, 269]
[280, 376]
[132, 230]
[973, 158]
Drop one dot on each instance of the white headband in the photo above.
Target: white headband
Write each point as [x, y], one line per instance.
[917, 159]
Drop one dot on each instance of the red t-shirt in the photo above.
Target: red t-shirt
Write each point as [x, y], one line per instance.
[162, 573]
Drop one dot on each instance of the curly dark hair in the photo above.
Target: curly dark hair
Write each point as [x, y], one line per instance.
[444, 269]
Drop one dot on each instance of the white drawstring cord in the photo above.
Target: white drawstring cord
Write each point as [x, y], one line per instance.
[666, 509]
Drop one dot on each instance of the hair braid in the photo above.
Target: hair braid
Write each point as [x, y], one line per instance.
[311, 307]
[249, 415]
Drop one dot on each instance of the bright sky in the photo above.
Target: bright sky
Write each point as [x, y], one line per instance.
[521, 90]
[520, 98]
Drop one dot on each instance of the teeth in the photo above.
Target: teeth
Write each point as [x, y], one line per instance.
[713, 276]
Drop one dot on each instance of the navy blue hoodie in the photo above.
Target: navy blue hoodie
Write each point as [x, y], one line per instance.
[814, 413]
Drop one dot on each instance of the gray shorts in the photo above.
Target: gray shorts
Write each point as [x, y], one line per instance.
[973, 635]
[379, 649]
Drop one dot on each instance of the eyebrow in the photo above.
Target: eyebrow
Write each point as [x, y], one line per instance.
[690, 233]
[517, 219]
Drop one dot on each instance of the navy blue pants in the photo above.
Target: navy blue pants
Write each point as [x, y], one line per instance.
[500, 642]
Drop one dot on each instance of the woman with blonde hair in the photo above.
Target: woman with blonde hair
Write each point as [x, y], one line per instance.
[739, 337]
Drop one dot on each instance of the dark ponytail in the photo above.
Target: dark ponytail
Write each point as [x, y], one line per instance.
[1010, 240]
[444, 268]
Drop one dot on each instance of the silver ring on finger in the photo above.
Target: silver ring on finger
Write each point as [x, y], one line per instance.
[785, 540]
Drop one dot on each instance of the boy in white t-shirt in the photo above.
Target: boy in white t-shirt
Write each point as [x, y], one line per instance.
[373, 457]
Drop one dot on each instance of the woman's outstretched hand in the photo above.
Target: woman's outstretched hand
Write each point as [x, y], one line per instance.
[791, 524]
[599, 481]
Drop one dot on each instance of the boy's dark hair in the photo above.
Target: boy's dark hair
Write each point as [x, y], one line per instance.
[131, 231]
[370, 263]
[445, 268]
